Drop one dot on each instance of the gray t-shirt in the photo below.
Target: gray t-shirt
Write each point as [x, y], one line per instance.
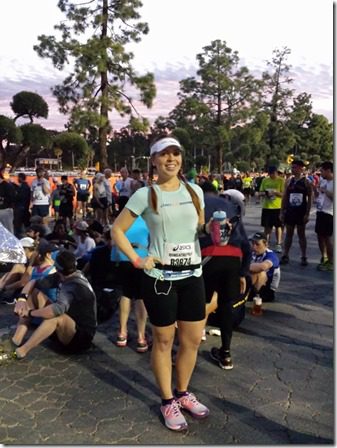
[173, 231]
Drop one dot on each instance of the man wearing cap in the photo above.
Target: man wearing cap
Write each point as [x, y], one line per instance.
[70, 320]
[271, 189]
[295, 210]
[40, 193]
[264, 269]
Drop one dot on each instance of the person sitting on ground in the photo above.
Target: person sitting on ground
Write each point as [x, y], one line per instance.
[84, 243]
[60, 236]
[13, 281]
[70, 320]
[265, 272]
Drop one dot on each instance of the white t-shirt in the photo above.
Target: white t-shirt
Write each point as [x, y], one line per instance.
[84, 246]
[173, 231]
[125, 187]
[323, 203]
[38, 195]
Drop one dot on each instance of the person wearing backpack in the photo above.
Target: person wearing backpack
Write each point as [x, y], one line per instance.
[226, 260]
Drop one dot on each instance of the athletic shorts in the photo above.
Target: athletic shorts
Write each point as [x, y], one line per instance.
[294, 218]
[324, 224]
[270, 218]
[40, 210]
[168, 301]
[129, 279]
[81, 341]
[82, 197]
[66, 210]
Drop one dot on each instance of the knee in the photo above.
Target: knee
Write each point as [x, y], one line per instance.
[162, 344]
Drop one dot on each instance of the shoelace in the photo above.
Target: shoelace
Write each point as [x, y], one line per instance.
[191, 397]
[173, 408]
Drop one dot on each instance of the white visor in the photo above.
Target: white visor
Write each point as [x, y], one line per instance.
[164, 143]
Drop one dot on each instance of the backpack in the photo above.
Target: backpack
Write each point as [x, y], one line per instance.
[107, 303]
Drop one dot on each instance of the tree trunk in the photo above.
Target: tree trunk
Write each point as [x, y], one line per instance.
[103, 129]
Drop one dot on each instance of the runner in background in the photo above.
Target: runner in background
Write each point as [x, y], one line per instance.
[82, 186]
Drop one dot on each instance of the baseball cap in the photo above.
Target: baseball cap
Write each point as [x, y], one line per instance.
[164, 143]
[258, 236]
[82, 225]
[27, 242]
[46, 246]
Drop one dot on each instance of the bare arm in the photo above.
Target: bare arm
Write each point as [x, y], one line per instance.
[255, 268]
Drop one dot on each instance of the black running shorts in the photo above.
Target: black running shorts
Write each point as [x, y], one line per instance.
[169, 301]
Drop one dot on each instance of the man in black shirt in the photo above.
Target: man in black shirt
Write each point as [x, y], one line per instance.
[7, 197]
[21, 206]
[71, 319]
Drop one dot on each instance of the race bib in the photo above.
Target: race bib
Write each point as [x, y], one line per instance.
[295, 199]
[182, 254]
[37, 194]
[83, 187]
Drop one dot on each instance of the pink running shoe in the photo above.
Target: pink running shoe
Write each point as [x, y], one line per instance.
[122, 340]
[190, 403]
[173, 418]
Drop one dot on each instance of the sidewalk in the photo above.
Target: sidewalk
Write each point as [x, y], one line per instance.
[281, 390]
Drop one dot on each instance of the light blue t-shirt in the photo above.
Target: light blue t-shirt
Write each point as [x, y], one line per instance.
[173, 230]
[138, 235]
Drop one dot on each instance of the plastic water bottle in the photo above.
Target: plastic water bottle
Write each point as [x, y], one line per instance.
[219, 228]
[257, 306]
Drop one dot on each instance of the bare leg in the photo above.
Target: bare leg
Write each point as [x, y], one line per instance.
[141, 316]
[64, 326]
[35, 301]
[161, 360]
[278, 235]
[124, 311]
[189, 334]
[288, 239]
[302, 240]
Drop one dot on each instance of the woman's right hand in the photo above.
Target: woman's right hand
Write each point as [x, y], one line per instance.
[147, 263]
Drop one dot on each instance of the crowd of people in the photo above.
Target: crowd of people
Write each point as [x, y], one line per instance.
[177, 250]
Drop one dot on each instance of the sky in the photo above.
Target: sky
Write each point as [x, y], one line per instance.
[179, 29]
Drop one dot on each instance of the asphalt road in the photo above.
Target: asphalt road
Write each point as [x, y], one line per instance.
[281, 390]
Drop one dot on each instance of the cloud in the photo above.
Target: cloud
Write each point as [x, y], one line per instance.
[315, 80]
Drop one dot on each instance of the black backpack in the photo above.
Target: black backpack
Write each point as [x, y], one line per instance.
[107, 303]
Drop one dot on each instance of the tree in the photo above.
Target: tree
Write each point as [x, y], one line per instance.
[29, 104]
[9, 133]
[74, 148]
[102, 68]
[278, 95]
[227, 89]
[35, 139]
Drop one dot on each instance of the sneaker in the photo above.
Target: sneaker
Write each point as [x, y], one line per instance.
[225, 362]
[278, 248]
[122, 341]
[190, 403]
[7, 346]
[142, 346]
[173, 417]
[214, 332]
[327, 266]
[284, 259]
[203, 337]
[304, 261]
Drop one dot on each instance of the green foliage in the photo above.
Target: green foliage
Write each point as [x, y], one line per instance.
[30, 105]
[9, 131]
[243, 166]
[72, 144]
[35, 136]
[102, 67]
